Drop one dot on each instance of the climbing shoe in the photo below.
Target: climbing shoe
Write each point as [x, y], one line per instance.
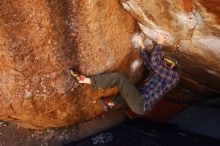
[109, 103]
[106, 105]
[75, 75]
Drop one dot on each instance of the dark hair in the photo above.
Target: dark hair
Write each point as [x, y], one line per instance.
[171, 57]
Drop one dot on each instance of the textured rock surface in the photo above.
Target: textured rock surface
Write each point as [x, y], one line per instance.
[40, 39]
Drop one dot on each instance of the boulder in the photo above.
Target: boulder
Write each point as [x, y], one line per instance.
[41, 39]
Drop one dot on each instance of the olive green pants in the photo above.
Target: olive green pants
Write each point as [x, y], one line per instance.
[127, 90]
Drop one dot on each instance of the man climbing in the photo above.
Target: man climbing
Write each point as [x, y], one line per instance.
[163, 78]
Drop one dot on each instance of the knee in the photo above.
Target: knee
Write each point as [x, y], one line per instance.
[138, 111]
[138, 107]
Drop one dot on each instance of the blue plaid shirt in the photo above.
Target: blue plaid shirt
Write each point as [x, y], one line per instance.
[161, 80]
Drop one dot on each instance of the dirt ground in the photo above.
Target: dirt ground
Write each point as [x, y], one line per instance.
[11, 135]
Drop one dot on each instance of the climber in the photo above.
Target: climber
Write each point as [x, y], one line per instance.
[162, 79]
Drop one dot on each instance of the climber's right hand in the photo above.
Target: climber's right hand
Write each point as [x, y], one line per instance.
[161, 38]
[140, 41]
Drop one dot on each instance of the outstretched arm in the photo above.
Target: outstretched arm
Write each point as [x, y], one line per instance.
[155, 58]
[156, 64]
[145, 57]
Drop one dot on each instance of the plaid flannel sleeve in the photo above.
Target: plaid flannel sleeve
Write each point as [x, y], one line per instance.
[155, 58]
[145, 58]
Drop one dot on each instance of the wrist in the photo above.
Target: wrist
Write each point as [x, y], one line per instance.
[142, 47]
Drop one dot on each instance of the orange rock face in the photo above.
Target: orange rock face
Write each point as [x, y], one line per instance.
[40, 39]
